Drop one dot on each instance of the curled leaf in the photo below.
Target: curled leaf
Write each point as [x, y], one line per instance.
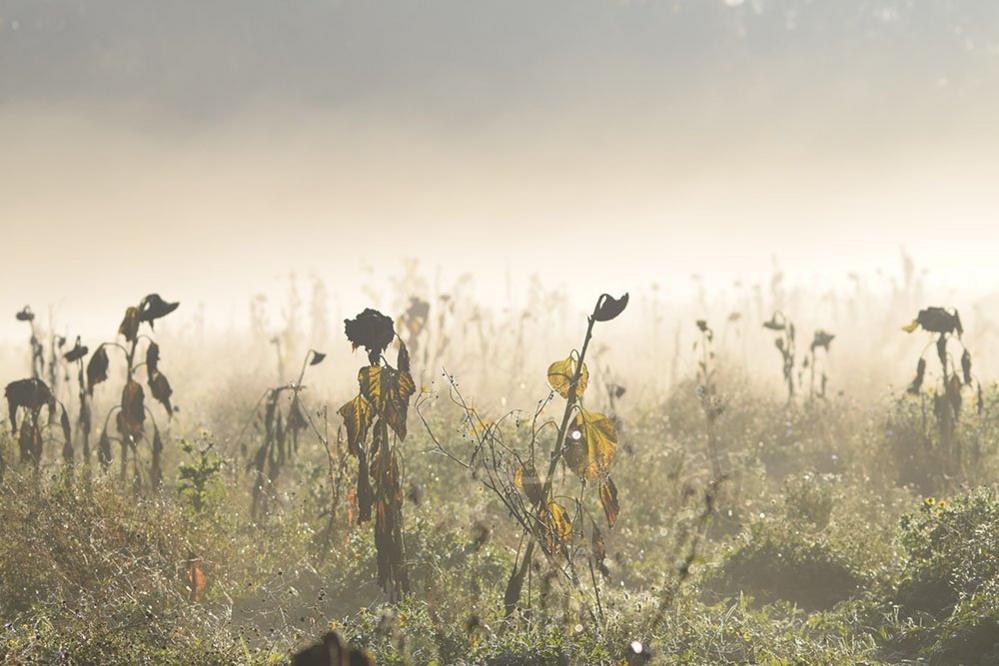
[599, 550]
[590, 445]
[608, 498]
[317, 358]
[558, 527]
[97, 369]
[159, 386]
[152, 359]
[132, 414]
[129, 326]
[527, 481]
[153, 307]
[25, 314]
[562, 373]
[357, 417]
[966, 367]
[609, 307]
[917, 383]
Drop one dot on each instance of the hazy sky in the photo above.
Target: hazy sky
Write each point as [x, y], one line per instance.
[201, 149]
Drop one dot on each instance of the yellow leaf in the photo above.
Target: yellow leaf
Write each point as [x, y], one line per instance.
[388, 390]
[357, 416]
[561, 374]
[558, 527]
[909, 328]
[590, 445]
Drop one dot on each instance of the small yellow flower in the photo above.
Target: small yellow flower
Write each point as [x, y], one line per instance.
[930, 501]
[942, 504]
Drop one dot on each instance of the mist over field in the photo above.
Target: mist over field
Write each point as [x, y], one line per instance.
[682, 341]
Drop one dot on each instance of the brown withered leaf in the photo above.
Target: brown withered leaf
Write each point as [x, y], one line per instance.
[25, 314]
[153, 307]
[30, 441]
[561, 373]
[608, 498]
[159, 386]
[357, 416]
[526, 479]
[64, 424]
[590, 445]
[917, 382]
[388, 390]
[966, 367]
[129, 326]
[402, 360]
[599, 550]
[97, 369]
[197, 583]
[609, 307]
[317, 358]
[152, 359]
[132, 414]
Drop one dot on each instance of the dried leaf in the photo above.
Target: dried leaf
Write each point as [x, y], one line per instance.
[599, 550]
[388, 391]
[590, 445]
[97, 369]
[25, 314]
[357, 417]
[526, 479]
[609, 307]
[966, 367]
[153, 307]
[317, 358]
[562, 373]
[558, 527]
[608, 498]
[196, 581]
[132, 414]
[917, 383]
[129, 326]
[152, 359]
[159, 386]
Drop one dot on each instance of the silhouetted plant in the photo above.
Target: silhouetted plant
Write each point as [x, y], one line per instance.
[380, 409]
[130, 413]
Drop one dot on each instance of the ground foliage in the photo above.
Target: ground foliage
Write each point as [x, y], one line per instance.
[719, 521]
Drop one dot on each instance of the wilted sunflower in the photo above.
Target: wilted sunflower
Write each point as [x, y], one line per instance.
[822, 339]
[936, 320]
[371, 330]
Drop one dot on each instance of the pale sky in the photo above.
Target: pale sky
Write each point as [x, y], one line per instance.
[202, 149]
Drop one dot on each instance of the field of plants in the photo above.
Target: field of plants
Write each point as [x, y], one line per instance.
[754, 474]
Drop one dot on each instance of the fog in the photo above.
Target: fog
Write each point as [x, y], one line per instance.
[206, 150]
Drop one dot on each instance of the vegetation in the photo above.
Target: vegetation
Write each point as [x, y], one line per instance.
[468, 503]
